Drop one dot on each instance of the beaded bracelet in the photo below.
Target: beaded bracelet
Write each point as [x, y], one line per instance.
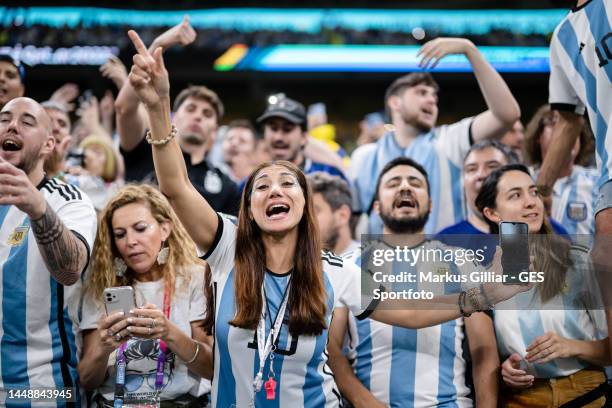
[472, 295]
[163, 141]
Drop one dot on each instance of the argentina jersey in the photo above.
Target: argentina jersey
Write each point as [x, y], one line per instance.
[580, 75]
[38, 347]
[576, 313]
[411, 368]
[300, 363]
[573, 200]
[440, 152]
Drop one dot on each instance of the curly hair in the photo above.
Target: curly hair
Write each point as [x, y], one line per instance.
[182, 250]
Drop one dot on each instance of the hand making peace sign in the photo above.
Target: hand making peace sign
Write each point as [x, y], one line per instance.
[148, 75]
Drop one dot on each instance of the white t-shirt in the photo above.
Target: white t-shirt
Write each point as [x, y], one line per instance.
[300, 364]
[187, 306]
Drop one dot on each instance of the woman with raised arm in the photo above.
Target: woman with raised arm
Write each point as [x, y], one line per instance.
[274, 291]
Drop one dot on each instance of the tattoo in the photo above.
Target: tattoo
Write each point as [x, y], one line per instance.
[64, 253]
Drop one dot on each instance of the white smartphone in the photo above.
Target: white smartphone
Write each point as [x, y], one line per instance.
[119, 299]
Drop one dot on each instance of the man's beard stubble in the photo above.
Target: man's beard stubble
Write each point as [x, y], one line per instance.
[404, 225]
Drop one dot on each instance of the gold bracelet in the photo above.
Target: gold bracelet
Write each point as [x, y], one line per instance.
[161, 142]
[195, 355]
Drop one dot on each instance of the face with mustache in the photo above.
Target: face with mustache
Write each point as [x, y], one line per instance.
[196, 122]
[416, 106]
[403, 200]
[284, 140]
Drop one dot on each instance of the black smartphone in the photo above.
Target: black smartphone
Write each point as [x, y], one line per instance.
[514, 242]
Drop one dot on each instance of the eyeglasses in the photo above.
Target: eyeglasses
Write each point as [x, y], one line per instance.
[134, 381]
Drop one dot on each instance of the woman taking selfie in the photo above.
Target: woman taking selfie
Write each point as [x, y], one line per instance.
[552, 339]
[155, 353]
[274, 291]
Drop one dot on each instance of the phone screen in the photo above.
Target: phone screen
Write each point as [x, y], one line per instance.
[514, 241]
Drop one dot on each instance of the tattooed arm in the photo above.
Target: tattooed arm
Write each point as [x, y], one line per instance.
[64, 253]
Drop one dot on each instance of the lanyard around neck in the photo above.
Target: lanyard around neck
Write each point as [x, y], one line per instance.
[161, 360]
[265, 343]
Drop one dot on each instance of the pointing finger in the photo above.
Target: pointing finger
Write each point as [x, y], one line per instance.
[138, 44]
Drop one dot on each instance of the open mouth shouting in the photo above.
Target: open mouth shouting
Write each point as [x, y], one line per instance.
[276, 211]
[10, 144]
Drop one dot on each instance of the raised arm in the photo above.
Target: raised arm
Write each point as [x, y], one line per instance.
[503, 110]
[149, 80]
[565, 133]
[131, 116]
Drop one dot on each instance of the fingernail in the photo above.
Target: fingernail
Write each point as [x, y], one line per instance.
[130, 320]
[129, 328]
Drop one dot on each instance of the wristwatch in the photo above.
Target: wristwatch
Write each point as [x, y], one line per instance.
[545, 191]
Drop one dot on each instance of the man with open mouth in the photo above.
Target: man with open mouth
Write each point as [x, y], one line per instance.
[47, 229]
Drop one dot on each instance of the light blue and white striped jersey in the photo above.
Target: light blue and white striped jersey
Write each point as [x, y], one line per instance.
[406, 367]
[581, 75]
[573, 200]
[39, 316]
[440, 152]
[300, 363]
[576, 314]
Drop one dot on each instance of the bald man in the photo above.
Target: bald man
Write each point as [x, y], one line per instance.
[47, 230]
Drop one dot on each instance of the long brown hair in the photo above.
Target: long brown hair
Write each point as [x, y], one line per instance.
[307, 296]
[551, 251]
[182, 253]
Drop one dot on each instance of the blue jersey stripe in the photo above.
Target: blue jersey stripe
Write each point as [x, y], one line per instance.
[403, 366]
[275, 288]
[569, 41]
[226, 394]
[13, 347]
[447, 391]
[458, 194]
[3, 211]
[313, 383]
[600, 26]
[72, 367]
[56, 342]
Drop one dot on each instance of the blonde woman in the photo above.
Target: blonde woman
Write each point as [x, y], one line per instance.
[154, 354]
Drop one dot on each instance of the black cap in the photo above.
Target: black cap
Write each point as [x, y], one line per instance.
[282, 107]
[18, 64]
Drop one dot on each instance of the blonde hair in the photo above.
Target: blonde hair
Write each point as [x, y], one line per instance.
[110, 167]
[182, 249]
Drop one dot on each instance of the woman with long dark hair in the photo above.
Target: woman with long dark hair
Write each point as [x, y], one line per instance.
[274, 291]
[551, 338]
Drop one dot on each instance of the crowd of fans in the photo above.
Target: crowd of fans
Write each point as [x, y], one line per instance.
[191, 214]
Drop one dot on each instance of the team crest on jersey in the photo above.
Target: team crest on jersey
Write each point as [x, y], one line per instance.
[18, 236]
[577, 211]
[212, 182]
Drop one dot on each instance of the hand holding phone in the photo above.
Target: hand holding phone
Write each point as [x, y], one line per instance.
[514, 241]
[119, 299]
